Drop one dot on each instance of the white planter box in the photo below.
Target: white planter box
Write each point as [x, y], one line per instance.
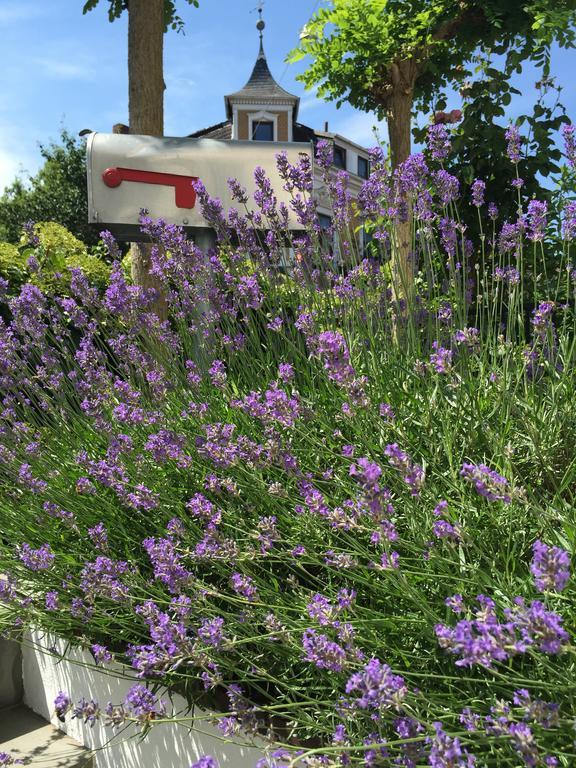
[165, 746]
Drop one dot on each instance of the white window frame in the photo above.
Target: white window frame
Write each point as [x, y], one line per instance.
[257, 117]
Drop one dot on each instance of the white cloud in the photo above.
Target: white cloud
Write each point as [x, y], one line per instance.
[311, 101]
[66, 70]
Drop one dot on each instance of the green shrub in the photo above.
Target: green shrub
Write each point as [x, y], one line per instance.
[12, 265]
[56, 253]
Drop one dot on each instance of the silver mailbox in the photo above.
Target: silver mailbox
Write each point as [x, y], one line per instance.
[127, 173]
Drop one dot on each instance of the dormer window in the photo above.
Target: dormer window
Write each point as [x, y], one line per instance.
[262, 126]
[263, 130]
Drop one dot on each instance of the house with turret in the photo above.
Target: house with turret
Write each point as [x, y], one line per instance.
[263, 111]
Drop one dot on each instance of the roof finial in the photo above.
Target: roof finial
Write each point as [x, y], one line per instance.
[260, 24]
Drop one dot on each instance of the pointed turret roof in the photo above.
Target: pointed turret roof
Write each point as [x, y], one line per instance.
[261, 86]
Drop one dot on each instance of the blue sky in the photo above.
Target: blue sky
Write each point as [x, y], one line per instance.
[59, 69]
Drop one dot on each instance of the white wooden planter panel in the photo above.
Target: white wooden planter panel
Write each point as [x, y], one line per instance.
[165, 746]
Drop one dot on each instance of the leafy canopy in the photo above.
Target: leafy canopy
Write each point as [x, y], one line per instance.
[353, 45]
[116, 7]
[56, 193]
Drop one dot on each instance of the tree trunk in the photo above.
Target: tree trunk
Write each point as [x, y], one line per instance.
[146, 106]
[400, 102]
[145, 66]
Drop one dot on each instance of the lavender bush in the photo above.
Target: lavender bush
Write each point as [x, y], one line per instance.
[331, 509]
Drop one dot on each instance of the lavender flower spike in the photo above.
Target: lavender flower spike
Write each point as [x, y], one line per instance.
[550, 567]
[487, 482]
[205, 762]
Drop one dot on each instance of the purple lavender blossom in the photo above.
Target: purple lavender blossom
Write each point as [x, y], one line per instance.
[217, 373]
[62, 705]
[441, 358]
[8, 589]
[445, 313]
[99, 537]
[332, 348]
[171, 641]
[470, 720]
[285, 372]
[27, 479]
[569, 221]
[508, 275]
[478, 189]
[102, 578]
[447, 752]
[487, 482]
[513, 139]
[101, 654]
[544, 713]
[438, 142]
[298, 177]
[205, 762]
[87, 710]
[386, 412]
[211, 631]
[538, 626]
[550, 567]
[524, 743]
[569, 136]
[447, 186]
[36, 559]
[272, 405]
[250, 292]
[237, 191]
[324, 154]
[455, 603]
[84, 485]
[203, 509]
[166, 563]
[244, 586]
[55, 511]
[143, 704]
[390, 561]
[167, 445]
[267, 533]
[470, 337]
[275, 324]
[7, 759]
[448, 235]
[29, 229]
[537, 213]
[442, 528]
[321, 609]
[323, 652]
[377, 688]
[412, 474]
[542, 318]
[485, 639]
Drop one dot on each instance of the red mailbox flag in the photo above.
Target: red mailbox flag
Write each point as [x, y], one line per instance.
[185, 194]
